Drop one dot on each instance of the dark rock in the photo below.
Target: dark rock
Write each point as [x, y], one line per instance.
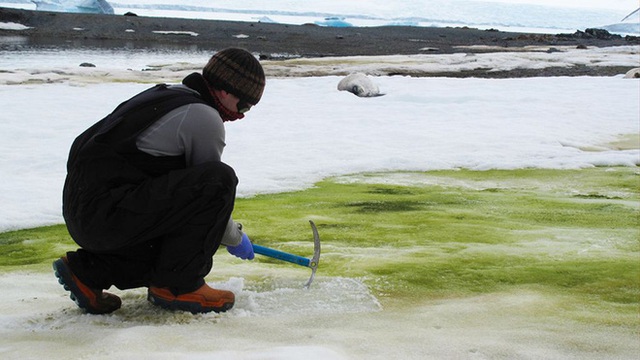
[599, 34]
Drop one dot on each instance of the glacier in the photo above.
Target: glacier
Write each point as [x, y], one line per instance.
[76, 6]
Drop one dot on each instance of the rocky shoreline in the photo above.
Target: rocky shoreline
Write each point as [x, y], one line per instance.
[274, 41]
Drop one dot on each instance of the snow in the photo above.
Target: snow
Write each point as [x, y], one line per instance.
[419, 124]
[190, 33]
[12, 26]
[302, 131]
[39, 321]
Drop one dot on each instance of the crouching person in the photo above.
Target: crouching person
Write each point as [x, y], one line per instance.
[147, 197]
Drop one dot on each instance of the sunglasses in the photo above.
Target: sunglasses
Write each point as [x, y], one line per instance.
[243, 106]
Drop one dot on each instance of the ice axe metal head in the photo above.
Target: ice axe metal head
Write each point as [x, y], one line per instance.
[281, 255]
[315, 260]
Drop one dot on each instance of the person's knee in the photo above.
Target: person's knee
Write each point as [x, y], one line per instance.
[219, 174]
[222, 171]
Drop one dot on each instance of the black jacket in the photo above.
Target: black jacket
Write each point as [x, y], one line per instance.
[104, 162]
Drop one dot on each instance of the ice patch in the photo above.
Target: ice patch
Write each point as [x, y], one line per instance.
[285, 297]
[271, 298]
[334, 21]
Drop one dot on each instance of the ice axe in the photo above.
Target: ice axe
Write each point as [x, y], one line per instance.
[296, 259]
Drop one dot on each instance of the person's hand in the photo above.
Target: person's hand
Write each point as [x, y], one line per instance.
[244, 250]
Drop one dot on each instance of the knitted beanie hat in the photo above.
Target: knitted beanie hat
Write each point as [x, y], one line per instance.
[238, 72]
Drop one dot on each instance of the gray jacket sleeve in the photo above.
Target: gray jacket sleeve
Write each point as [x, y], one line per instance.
[232, 235]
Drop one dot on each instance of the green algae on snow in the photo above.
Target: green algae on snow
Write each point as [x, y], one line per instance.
[440, 234]
[31, 248]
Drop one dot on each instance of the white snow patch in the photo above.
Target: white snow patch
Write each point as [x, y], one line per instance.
[12, 26]
[170, 32]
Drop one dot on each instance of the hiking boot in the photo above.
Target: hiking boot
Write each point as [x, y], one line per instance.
[203, 300]
[93, 301]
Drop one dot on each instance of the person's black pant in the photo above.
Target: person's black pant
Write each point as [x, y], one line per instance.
[161, 233]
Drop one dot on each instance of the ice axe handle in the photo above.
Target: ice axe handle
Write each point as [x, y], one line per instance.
[281, 255]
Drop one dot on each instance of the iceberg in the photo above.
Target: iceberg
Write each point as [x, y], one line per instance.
[623, 29]
[630, 25]
[334, 21]
[75, 6]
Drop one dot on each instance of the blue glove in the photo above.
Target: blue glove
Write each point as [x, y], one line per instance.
[244, 250]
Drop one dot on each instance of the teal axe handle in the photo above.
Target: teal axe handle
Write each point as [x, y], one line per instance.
[281, 255]
[299, 260]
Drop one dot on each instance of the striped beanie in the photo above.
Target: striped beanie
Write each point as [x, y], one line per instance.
[238, 72]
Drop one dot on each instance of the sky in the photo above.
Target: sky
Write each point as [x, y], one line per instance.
[305, 130]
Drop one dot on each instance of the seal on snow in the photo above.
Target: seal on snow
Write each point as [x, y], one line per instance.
[359, 84]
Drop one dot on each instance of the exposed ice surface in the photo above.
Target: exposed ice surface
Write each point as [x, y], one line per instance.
[75, 6]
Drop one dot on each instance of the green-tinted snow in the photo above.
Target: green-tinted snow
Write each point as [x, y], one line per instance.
[412, 236]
